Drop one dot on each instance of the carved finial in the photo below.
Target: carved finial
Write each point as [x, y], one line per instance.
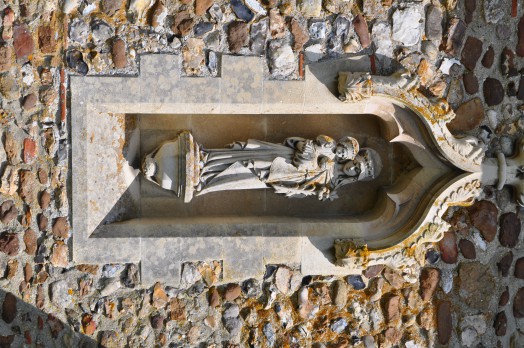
[354, 87]
[350, 252]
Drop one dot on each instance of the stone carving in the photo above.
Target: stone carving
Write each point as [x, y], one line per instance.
[296, 168]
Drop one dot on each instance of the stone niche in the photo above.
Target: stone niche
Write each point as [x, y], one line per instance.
[118, 216]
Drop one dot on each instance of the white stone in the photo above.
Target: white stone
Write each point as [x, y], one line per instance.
[472, 326]
[88, 9]
[412, 344]
[79, 31]
[282, 58]
[407, 26]
[111, 286]
[381, 34]
[446, 280]
[141, 7]
[446, 65]
[28, 75]
[70, 5]
[479, 241]
[314, 52]
[492, 118]
[61, 294]
[255, 6]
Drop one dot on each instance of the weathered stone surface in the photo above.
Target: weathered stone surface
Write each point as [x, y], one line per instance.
[406, 26]
[8, 212]
[30, 241]
[61, 294]
[9, 309]
[507, 63]
[340, 290]
[194, 56]
[277, 26]
[362, 30]
[429, 279]
[468, 116]
[60, 228]
[489, 57]
[238, 36]
[373, 271]
[392, 308]
[46, 39]
[509, 230]
[9, 87]
[444, 322]
[448, 248]
[518, 304]
[6, 53]
[493, 91]
[476, 284]
[494, 10]
[471, 52]
[9, 243]
[310, 8]
[29, 150]
[182, 24]
[300, 35]
[434, 23]
[467, 248]
[232, 292]
[483, 215]
[282, 58]
[29, 101]
[201, 6]
[60, 254]
[456, 33]
[520, 44]
[118, 51]
[23, 41]
[500, 324]
[214, 297]
[110, 7]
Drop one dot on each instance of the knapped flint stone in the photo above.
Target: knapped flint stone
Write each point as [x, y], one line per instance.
[356, 282]
[456, 33]
[8, 212]
[489, 58]
[444, 322]
[213, 297]
[202, 28]
[512, 89]
[505, 264]
[520, 46]
[300, 35]
[471, 83]
[518, 304]
[493, 91]
[242, 11]
[483, 215]
[60, 254]
[471, 52]
[201, 6]
[468, 116]
[519, 268]
[362, 30]
[470, 6]
[373, 271]
[30, 241]
[434, 23]
[118, 52]
[75, 61]
[467, 248]
[509, 230]
[182, 24]
[23, 41]
[448, 248]
[9, 308]
[476, 285]
[9, 243]
[60, 228]
[43, 222]
[500, 324]
[504, 298]
[110, 7]
[507, 63]
[237, 36]
[520, 93]
[429, 279]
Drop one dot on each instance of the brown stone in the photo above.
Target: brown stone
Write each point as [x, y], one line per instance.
[60, 228]
[92, 269]
[467, 248]
[493, 91]
[159, 296]
[238, 36]
[509, 230]
[9, 87]
[40, 297]
[520, 44]
[483, 215]
[9, 243]
[23, 41]
[201, 6]
[476, 285]
[500, 324]
[45, 199]
[505, 264]
[518, 304]
[426, 318]
[28, 190]
[456, 33]
[29, 101]
[29, 150]
[177, 309]
[42, 176]
[30, 241]
[300, 35]
[12, 268]
[88, 324]
[43, 222]
[362, 30]
[392, 335]
[232, 291]
[214, 297]
[9, 308]
[60, 254]
[444, 322]
[504, 298]
[392, 308]
[373, 271]
[519, 268]
[429, 278]
[425, 71]
[489, 57]
[507, 63]
[157, 322]
[469, 116]
[470, 6]
[28, 272]
[471, 52]
[394, 278]
[46, 39]
[182, 23]
[6, 58]
[8, 212]
[110, 7]
[48, 95]
[448, 248]
[471, 83]
[520, 93]
[118, 52]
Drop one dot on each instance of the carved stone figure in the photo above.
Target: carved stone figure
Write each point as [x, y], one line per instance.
[296, 168]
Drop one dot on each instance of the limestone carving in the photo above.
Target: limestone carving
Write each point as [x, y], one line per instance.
[296, 168]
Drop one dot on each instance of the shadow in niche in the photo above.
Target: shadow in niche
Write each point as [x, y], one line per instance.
[30, 325]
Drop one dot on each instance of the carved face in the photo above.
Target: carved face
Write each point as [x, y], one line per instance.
[342, 152]
[149, 167]
[352, 168]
